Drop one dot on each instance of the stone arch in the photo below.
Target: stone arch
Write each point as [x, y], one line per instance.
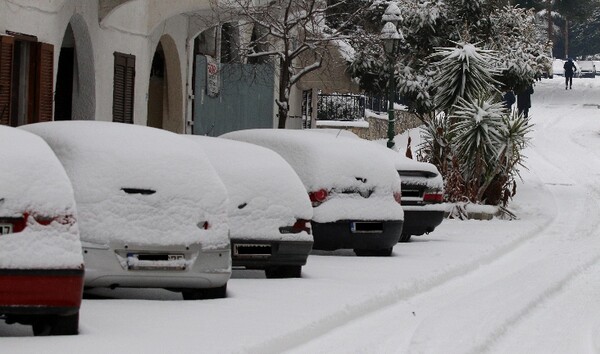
[165, 88]
[76, 64]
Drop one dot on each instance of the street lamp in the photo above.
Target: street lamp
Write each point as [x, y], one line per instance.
[391, 37]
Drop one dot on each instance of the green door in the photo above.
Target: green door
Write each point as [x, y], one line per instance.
[245, 99]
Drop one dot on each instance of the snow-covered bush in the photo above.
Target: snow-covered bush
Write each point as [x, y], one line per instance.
[474, 141]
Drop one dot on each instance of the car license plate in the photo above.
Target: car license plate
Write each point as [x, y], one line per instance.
[251, 250]
[372, 227]
[6, 229]
[156, 261]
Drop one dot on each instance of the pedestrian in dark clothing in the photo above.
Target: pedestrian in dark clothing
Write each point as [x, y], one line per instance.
[508, 97]
[570, 69]
[524, 101]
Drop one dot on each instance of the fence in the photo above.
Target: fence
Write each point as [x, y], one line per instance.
[348, 107]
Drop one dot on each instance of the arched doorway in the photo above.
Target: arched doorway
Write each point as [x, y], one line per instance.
[165, 96]
[75, 78]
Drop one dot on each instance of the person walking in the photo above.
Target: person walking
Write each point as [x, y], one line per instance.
[570, 69]
[508, 97]
[524, 101]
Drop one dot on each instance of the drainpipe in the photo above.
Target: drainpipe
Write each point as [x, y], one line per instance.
[189, 90]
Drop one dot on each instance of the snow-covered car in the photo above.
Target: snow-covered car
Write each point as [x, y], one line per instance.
[558, 67]
[41, 265]
[422, 196]
[152, 209]
[269, 211]
[422, 189]
[587, 69]
[355, 192]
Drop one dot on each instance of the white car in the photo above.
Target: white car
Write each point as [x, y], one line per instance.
[355, 192]
[41, 264]
[422, 189]
[269, 210]
[587, 69]
[152, 209]
[558, 67]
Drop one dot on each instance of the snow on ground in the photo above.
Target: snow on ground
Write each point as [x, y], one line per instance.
[523, 286]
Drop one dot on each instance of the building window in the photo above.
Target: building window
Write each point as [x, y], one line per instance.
[26, 80]
[123, 89]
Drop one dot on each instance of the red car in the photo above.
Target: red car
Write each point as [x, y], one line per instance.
[41, 264]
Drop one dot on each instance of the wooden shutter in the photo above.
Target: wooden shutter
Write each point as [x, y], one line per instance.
[6, 61]
[44, 97]
[123, 89]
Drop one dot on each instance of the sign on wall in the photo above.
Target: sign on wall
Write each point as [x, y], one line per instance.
[212, 77]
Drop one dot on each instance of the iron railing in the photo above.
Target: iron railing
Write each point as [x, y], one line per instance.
[348, 107]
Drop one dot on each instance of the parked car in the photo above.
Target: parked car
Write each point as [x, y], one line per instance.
[558, 67]
[269, 211]
[152, 209]
[422, 196]
[355, 192]
[586, 69]
[422, 189]
[41, 265]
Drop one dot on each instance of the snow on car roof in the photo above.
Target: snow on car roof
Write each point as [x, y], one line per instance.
[334, 164]
[319, 160]
[264, 191]
[401, 162]
[33, 181]
[138, 184]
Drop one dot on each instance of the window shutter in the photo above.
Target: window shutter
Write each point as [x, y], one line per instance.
[123, 89]
[44, 98]
[6, 59]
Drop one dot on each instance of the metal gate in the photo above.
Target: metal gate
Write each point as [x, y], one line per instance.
[245, 99]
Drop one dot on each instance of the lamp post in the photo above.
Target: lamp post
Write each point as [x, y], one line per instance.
[391, 38]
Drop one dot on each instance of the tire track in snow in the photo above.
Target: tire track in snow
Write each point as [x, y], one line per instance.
[553, 283]
[355, 312]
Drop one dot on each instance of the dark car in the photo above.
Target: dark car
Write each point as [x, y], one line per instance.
[269, 211]
[354, 190]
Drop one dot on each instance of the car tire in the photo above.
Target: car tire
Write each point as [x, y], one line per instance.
[386, 252]
[56, 325]
[205, 294]
[405, 238]
[278, 272]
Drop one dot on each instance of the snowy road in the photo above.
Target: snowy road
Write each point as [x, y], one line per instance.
[542, 296]
[529, 285]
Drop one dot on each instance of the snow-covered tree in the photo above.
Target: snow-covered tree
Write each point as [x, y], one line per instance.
[295, 34]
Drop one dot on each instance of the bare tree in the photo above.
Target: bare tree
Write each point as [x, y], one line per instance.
[296, 34]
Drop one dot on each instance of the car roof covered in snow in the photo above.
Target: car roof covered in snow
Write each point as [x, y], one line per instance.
[410, 170]
[138, 184]
[33, 182]
[265, 193]
[320, 161]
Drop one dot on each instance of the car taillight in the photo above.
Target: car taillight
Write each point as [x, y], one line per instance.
[398, 197]
[299, 226]
[14, 225]
[433, 197]
[318, 197]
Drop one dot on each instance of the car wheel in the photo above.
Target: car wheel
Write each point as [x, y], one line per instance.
[278, 272]
[405, 238]
[204, 294]
[56, 325]
[386, 252]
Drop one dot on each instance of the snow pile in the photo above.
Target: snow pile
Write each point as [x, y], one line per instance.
[139, 185]
[264, 191]
[337, 166]
[33, 182]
